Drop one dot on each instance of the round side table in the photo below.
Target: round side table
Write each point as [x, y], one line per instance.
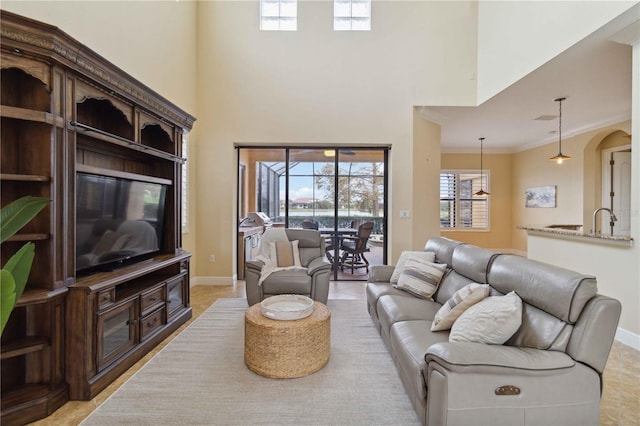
[287, 349]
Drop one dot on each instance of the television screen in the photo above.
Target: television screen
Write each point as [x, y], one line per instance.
[117, 220]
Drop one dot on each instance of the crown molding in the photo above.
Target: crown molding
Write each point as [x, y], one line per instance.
[42, 41]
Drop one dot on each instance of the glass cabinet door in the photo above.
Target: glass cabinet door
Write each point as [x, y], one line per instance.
[175, 296]
[117, 332]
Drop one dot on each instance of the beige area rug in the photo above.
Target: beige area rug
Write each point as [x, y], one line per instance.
[200, 379]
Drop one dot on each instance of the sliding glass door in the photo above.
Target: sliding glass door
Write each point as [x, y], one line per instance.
[340, 192]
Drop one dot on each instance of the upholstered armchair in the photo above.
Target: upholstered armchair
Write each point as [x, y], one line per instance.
[311, 279]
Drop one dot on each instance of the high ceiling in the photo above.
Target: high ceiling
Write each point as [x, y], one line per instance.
[594, 75]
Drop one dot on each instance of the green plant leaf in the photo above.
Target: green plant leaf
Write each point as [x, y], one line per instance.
[18, 213]
[19, 266]
[7, 297]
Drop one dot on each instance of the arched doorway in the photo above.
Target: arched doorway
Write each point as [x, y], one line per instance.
[610, 172]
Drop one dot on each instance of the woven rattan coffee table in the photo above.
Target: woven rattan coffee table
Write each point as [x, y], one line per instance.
[287, 349]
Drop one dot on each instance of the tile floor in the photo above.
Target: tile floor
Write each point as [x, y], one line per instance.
[620, 400]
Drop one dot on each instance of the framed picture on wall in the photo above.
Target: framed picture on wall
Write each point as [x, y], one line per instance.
[540, 196]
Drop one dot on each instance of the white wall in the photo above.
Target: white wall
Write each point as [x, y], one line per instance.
[516, 37]
[152, 41]
[320, 86]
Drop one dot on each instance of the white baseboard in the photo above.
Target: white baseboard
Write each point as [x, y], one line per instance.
[212, 281]
[628, 338]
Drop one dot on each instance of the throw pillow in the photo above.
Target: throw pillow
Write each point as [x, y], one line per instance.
[285, 254]
[462, 299]
[421, 278]
[427, 256]
[493, 320]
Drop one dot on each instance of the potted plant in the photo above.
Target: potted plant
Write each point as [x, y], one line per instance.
[14, 274]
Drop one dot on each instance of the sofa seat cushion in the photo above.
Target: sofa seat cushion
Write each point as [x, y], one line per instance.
[409, 342]
[293, 281]
[392, 309]
[477, 357]
[376, 290]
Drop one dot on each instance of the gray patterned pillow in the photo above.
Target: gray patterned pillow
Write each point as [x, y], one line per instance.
[462, 299]
[493, 320]
[421, 278]
[427, 256]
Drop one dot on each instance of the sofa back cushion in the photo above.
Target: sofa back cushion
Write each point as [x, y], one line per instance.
[554, 290]
[541, 330]
[468, 265]
[450, 283]
[443, 248]
[472, 262]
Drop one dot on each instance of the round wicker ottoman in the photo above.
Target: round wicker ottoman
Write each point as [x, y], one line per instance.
[287, 349]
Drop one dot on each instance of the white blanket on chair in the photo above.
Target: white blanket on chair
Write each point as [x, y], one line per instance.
[269, 238]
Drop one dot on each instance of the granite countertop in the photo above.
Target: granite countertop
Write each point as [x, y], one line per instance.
[575, 232]
[249, 230]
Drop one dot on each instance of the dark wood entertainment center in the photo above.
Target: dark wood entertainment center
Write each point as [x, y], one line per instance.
[65, 110]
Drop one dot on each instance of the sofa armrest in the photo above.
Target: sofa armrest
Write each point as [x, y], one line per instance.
[473, 383]
[253, 269]
[255, 265]
[380, 273]
[467, 357]
[318, 264]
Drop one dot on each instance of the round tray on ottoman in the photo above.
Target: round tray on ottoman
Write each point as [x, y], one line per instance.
[287, 349]
[285, 307]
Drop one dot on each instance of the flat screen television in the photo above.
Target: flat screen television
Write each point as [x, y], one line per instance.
[118, 220]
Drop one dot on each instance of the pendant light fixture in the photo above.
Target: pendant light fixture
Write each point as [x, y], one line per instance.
[482, 192]
[560, 157]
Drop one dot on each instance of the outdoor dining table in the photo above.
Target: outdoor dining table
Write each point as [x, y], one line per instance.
[336, 238]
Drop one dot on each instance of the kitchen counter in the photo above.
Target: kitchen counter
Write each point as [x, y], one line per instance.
[574, 232]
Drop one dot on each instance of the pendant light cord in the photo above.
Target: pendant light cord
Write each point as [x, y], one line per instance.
[560, 124]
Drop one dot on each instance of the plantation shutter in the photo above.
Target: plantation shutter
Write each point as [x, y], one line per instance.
[460, 208]
[447, 200]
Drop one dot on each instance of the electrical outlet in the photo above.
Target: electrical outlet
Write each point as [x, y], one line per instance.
[212, 258]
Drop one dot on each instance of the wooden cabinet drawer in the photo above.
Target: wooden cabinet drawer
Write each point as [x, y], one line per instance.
[106, 298]
[152, 299]
[153, 322]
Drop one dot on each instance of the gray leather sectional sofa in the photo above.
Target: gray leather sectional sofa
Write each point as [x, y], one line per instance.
[549, 372]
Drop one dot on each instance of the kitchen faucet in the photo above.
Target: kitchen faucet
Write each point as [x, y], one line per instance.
[612, 219]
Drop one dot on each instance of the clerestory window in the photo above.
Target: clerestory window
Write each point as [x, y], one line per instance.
[352, 15]
[460, 207]
[278, 15]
